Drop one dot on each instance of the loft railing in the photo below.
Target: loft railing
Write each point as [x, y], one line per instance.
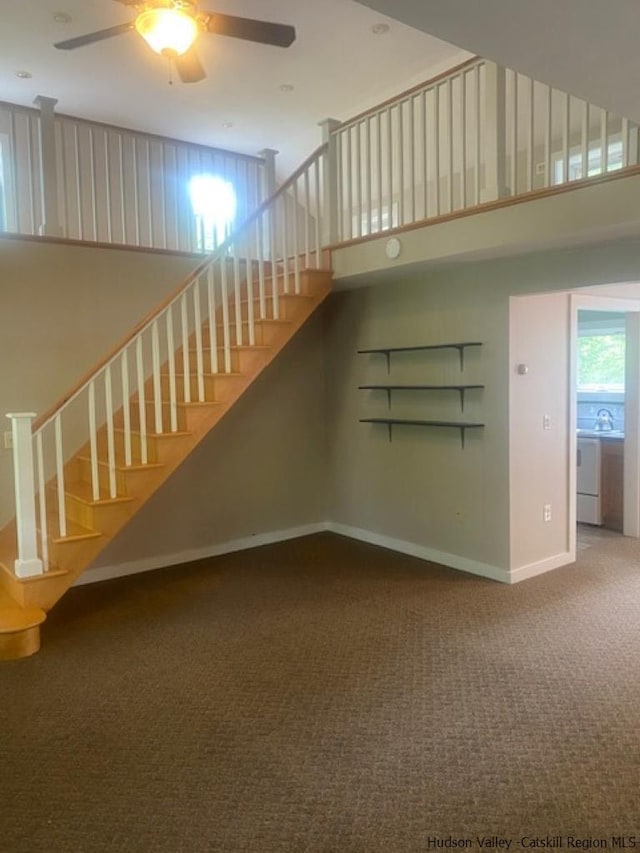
[475, 134]
[82, 180]
[168, 358]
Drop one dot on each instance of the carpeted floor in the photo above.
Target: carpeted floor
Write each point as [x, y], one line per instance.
[323, 695]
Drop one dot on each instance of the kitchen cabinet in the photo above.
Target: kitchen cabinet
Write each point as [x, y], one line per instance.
[612, 471]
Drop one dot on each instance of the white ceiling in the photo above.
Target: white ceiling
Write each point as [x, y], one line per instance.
[586, 47]
[337, 66]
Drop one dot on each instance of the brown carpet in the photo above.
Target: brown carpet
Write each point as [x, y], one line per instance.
[327, 696]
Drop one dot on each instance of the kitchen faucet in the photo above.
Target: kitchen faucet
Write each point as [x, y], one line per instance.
[604, 420]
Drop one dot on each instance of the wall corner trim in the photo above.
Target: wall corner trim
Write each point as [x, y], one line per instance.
[452, 561]
[541, 566]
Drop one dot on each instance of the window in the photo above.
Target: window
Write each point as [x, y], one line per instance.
[601, 352]
[595, 166]
[213, 202]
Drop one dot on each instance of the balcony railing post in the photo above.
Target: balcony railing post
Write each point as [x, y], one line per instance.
[495, 135]
[269, 179]
[28, 563]
[330, 181]
[269, 186]
[50, 226]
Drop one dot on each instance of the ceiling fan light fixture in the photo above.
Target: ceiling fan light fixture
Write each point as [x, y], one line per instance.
[169, 32]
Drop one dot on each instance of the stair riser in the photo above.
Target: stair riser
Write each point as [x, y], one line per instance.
[150, 414]
[265, 334]
[83, 474]
[241, 361]
[136, 448]
[98, 516]
[216, 388]
[206, 361]
[288, 307]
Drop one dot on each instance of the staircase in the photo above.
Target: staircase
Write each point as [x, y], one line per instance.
[120, 433]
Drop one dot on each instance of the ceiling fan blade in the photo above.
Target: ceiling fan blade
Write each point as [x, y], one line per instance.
[265, 32]
[90, 38]
[189, 67]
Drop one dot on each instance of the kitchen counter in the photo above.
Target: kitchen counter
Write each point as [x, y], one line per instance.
[605, 435]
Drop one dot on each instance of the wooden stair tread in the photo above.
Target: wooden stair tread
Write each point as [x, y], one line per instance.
[83, 492]
[119, 466]
[16, 618]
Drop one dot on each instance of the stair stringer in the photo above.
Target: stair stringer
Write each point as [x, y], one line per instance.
[72, 555]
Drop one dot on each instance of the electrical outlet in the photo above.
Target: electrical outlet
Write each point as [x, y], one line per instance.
[546, 422]
[540, 168]
[8, 440]
[546, 512]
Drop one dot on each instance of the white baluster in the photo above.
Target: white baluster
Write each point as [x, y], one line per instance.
[250, 306]
[585, 141]
[436, 145]
[126, 407]
[358, 175]
[28, 563]
[237, 296]
[604, 141]
[157, 385]
[273, 224]
[261, 278]
[197, 319]
[62, 505]
[93, 442]
[318, 209]
[547, 138]
[107, 187]
[285, 252]
[412, 162]
[186, 365]
[213, 331]
[307, 214]
[225, 315]
[566, 138]
[171, 353]
[349, 164]
[92, 175]
[463, 142]
[142, 411]
[42, 500]
[111, 452]
[296, 249]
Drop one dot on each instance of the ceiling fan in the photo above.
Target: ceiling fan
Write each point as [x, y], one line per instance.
[170, 27]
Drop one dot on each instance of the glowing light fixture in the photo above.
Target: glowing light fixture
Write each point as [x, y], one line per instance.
[170, 32]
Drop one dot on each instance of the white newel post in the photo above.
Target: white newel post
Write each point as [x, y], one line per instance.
[269, 179]
[50, 226]
[28, 563]
[495, 135]
[330, 180]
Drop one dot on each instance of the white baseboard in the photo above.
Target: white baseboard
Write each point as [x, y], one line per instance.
[423, 552]
[103, 573]
[542, 566]
[453, 561]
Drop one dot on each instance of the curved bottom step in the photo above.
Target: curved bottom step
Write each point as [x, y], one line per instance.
[20, 631]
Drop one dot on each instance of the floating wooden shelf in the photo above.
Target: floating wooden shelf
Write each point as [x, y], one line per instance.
[391, 422]
[389, 388]
[388, 350]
